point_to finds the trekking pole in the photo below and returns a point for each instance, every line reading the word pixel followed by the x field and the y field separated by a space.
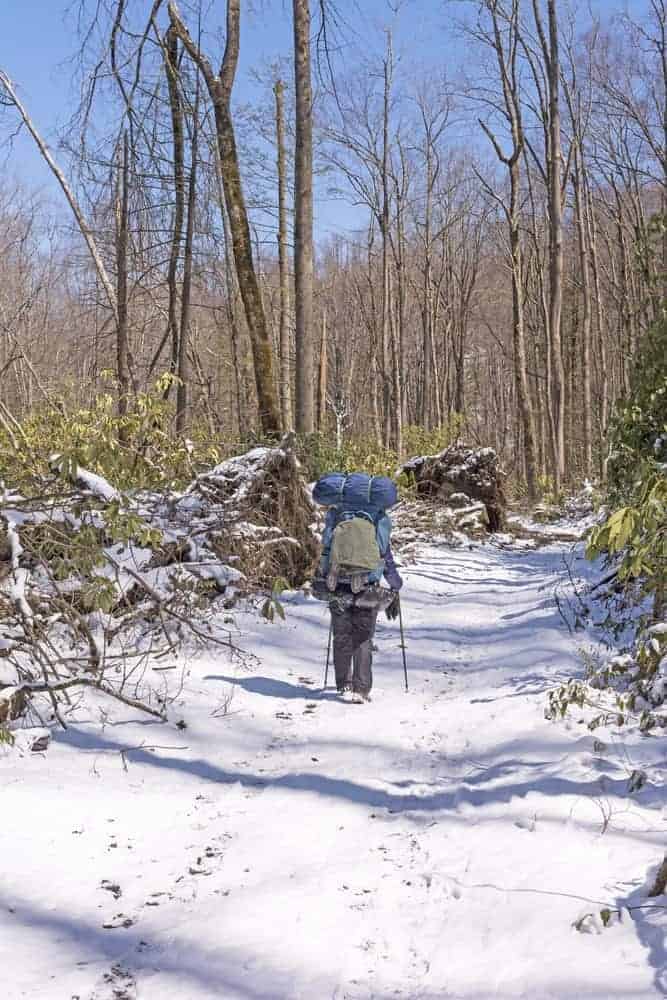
pixel 326 669
pixel 400 622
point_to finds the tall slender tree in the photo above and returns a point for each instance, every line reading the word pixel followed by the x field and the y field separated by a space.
pixel 283 260
pixel 503 39
pixel 303 220
pixel 549 43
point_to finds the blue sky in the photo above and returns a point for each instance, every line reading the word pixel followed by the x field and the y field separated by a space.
pixel 37 39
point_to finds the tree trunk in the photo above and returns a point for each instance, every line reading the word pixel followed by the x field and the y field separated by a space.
pixel 386 277
pixel 85 230
pixel 176 108
pixel 427 308
pixel 220 91
pixel 504 44
pixel 554 183
pixel 586 292
pixel 283 263
pixel 303 219
pixel 186 295
pixel 322 380
pixel 519 336
pixel 122 233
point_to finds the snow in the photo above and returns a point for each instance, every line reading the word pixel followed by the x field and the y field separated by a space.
pixel 439 843
pixel 240 470
pixel 15 547
pixel 564 529
pixel 17 583
pixel 221 574
pixel 97 485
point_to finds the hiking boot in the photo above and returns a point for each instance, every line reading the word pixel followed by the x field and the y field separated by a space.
pixel 345 693
pixel 360 697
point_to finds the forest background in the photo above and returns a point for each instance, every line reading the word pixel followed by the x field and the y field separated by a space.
pixel 489 241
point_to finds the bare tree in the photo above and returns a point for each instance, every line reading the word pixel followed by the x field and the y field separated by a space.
pixel 504 40
pixel 220 91
pixel 549 44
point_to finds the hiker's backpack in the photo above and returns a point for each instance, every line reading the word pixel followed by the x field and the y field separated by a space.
pixel 355 554
pixel 355 492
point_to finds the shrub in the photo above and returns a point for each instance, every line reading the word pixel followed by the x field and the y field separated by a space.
pixel 637 531
pixel 136 450
pixel 318 452
pixel 637 534
pixel 638 432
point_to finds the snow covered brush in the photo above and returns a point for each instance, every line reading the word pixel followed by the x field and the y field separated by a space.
pixel 623 689
pixel 94 582
pixel 91 587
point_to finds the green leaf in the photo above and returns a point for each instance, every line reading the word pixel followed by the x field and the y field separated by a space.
pixel 6 736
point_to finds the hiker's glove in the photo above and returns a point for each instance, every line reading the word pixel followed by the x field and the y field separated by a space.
pixel 393 578
pixel 393 606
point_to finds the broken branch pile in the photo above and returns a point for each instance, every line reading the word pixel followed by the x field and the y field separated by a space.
pixel 93 583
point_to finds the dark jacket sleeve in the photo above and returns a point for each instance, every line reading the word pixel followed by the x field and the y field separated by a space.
pixel 391 574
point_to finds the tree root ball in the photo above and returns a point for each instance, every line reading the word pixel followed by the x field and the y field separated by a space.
pixel 267 515
pixel 457 470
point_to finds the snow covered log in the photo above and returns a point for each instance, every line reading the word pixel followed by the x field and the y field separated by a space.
pixel 459 475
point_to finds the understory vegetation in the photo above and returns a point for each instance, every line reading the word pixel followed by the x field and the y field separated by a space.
pixel 138 449
pixel 632 542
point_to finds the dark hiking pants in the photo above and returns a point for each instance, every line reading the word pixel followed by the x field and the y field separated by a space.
pixel 353 630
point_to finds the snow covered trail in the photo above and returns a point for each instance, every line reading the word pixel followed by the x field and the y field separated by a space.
pixel 434 844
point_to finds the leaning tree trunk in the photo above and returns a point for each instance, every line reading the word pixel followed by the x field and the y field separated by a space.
pixel 220 87
pixel 171 334
pixel 505 46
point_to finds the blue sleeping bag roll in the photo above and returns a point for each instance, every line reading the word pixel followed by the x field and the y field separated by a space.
pixel 355 491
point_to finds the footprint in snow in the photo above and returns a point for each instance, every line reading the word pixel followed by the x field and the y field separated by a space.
pixel 451 888
pixel 111 887
pixel 117 984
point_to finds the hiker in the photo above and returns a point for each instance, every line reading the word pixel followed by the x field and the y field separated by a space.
pixel 356 554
